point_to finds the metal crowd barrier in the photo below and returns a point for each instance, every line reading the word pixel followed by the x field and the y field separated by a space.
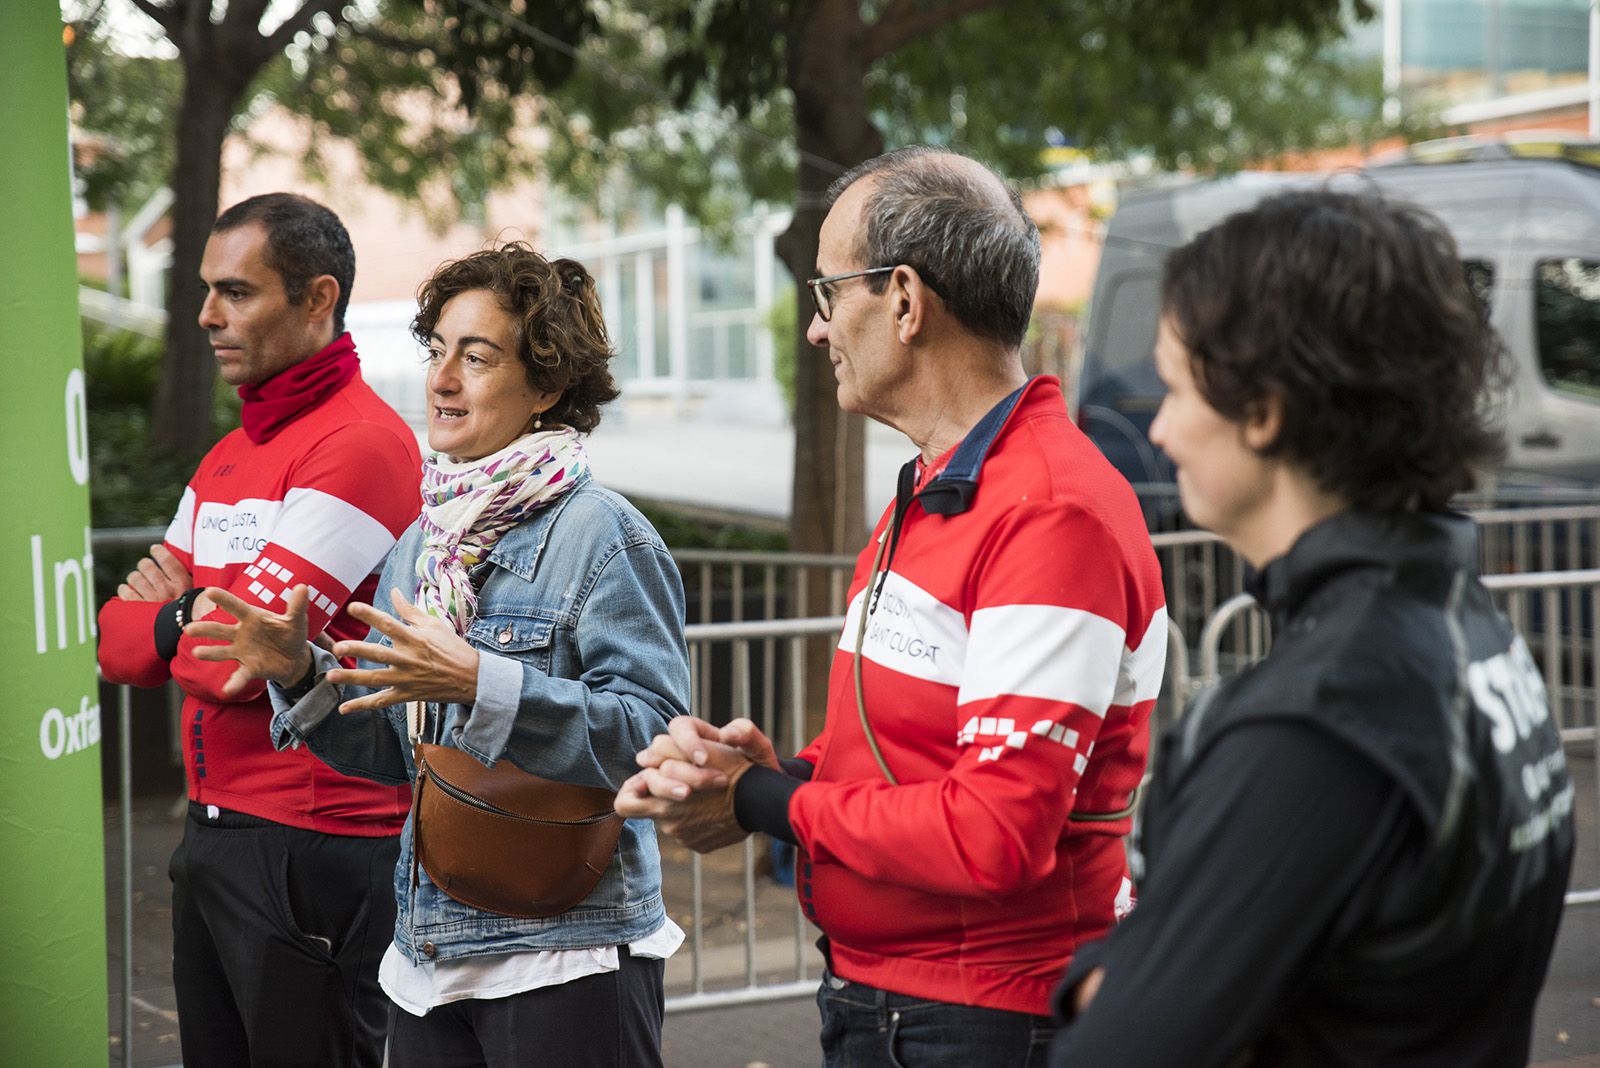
pixel 731 585
pixel 742 668
pixel 753 676
pixel 1201 571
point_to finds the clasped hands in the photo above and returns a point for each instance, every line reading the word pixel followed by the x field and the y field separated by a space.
pixel 689 777
pixel 426 659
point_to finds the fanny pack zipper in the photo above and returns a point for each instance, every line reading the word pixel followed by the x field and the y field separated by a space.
pixel 477 802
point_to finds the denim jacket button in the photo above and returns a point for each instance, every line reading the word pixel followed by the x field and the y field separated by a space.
pixel 428 950
pixel 504 636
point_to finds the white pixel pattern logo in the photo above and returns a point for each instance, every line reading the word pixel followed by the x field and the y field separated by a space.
pixel 1012 738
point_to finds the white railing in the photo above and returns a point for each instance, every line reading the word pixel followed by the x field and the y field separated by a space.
pixel 1201 572
pixel 113 312
pixel 757 668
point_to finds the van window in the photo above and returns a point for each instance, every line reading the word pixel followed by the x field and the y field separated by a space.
pixel 1567 310
pixel 1128 335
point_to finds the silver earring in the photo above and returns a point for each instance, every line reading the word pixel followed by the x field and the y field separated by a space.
pixel 538 420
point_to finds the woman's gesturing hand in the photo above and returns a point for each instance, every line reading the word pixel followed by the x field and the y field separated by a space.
pixel 267 645
pixel 426 659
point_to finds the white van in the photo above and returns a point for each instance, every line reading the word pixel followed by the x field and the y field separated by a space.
pixel 1526 214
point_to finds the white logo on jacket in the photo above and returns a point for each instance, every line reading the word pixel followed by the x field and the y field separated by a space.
pixel 234 533
pixel 911 632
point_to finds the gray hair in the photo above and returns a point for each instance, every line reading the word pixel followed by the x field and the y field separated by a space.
pixel 976 249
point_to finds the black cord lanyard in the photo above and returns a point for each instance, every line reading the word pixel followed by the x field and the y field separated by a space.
pixel 903 496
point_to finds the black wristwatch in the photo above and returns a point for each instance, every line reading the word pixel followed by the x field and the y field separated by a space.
pixel 172 618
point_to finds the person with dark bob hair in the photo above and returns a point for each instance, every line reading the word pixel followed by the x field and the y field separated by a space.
pixel 1355 851
pixel 1312 299
pixel 531 642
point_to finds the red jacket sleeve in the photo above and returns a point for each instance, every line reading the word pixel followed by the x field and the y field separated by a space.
pixel 1066 643
pixel 350 499
pixel 127 644
pixel 127 648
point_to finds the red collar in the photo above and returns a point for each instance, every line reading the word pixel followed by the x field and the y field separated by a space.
pixel 1037 391
pixel 283 398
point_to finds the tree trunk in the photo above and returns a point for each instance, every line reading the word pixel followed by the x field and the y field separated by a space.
pixel 827 71
pixel 182 418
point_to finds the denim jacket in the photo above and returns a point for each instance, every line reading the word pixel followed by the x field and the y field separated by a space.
pixel 582 661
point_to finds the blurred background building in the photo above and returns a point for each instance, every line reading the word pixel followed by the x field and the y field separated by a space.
pixel 701 321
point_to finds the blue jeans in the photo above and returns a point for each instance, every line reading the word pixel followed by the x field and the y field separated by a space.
pixel 864 1027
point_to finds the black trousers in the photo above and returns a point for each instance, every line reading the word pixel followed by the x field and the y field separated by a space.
pixel 610 1020
pixel 276 938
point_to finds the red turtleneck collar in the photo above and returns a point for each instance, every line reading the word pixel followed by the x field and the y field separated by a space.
pixel 281 399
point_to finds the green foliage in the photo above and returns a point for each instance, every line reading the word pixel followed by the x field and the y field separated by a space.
pixel 781 325
pixel 736 47
pixel 131 483
pixel 442 116
pixel 1199 86
pixel 434 94
pixel 687 99
pixel 633 118
pixel 522 47
pixel 120 369
pixel 128 104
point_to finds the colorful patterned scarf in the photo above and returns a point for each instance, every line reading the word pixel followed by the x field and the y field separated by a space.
pixel 467 506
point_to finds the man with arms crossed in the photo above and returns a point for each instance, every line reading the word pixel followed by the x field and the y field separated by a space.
pixel 282 899
pixel 1011 628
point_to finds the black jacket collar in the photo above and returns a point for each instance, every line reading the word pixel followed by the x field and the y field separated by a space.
pixel 1437 542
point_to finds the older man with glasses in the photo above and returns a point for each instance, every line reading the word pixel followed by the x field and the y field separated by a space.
pixel 960 818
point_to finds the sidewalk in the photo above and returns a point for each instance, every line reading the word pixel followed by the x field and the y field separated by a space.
pixel 779 1034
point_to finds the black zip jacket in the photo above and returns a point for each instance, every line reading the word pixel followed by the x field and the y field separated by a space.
pixel 1356 850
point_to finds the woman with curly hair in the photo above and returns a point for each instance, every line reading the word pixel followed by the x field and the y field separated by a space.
pixel 1356 850
pixel 527 641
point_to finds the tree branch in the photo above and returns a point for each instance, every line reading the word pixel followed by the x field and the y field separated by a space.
pixel 162 16
pixel 245 14
pixel 904 21
pixel 300 20
pixel 238 38
pixel 383 39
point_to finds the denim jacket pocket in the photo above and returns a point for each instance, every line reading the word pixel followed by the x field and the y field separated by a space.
pixel 524 638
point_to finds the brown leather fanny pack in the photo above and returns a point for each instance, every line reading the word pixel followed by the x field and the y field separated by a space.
pixel 506 841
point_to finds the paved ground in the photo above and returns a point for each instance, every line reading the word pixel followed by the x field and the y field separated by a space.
pixel 779 1034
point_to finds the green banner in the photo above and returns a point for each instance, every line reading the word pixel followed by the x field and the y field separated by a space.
pixel 53 1006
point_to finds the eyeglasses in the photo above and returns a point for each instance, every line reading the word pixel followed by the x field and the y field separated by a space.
pixel 822 294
